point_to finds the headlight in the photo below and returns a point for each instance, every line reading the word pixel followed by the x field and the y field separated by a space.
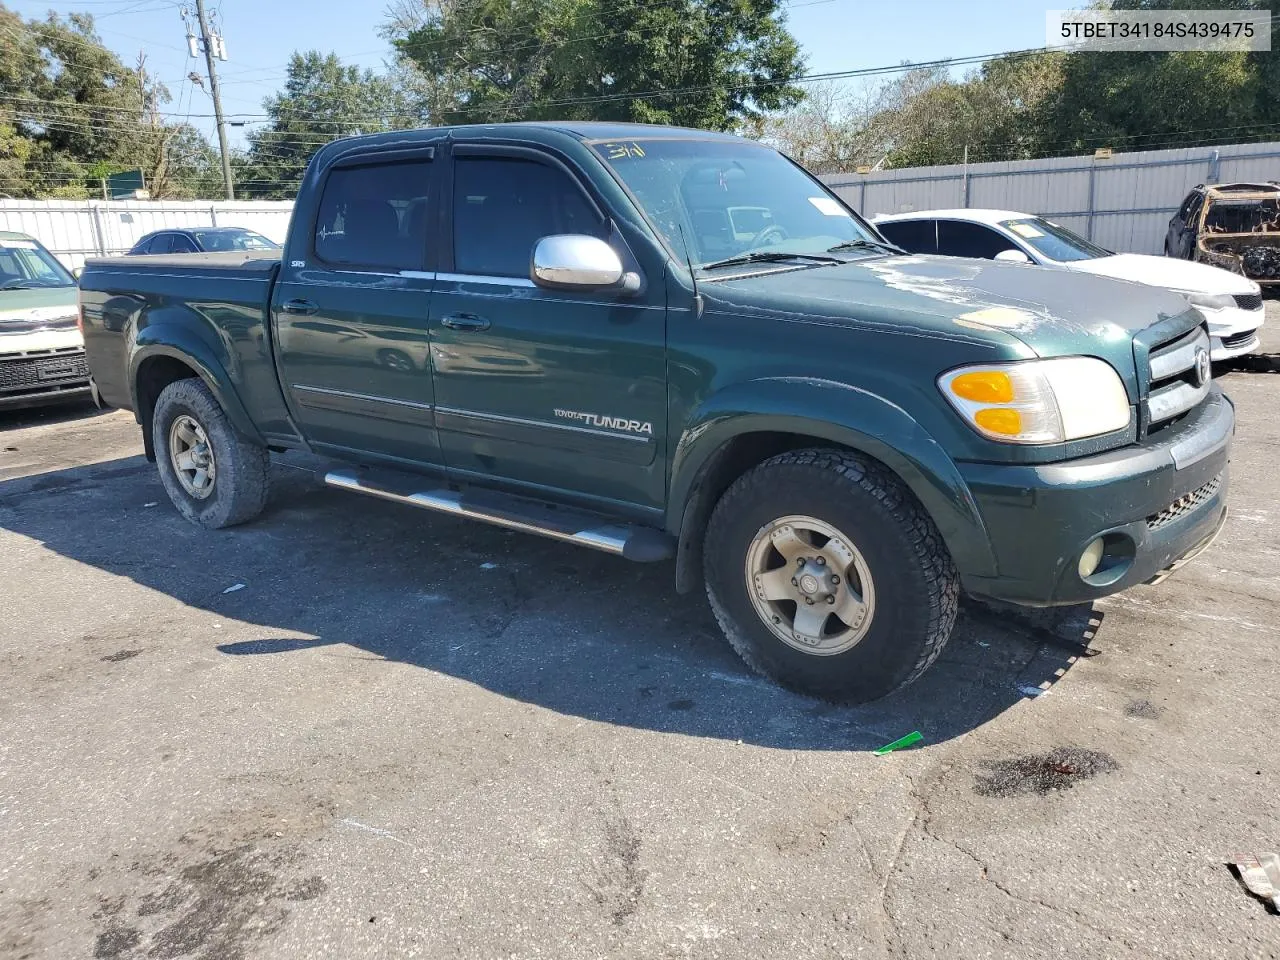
pixel 1211 301
pixel 1039 401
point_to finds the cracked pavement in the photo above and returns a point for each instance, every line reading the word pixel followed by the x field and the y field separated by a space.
pixel 409 735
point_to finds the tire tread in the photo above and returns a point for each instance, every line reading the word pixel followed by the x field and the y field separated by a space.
pixel 942 581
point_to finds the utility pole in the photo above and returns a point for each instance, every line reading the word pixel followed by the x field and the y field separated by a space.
pixel 214 49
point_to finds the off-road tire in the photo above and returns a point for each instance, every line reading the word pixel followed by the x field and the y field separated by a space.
pixel 917 589
pixel 241 482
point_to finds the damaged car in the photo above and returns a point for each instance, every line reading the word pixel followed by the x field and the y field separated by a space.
pixel 1235 226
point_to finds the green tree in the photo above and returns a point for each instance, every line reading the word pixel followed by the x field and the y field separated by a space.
pixel 716 64
pixel 322 100
pixel 71 111
pixel 1149 101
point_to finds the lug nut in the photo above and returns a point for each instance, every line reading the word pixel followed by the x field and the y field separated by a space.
pixel 822 561
pixel 795 582
pixel 809 601
pixel 800 561
pixel 834 578
pixel 831 599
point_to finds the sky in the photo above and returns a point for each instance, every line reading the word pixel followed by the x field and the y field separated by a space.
pixel 261 34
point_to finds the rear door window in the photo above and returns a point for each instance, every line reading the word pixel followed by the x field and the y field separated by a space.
pixel 374 216
pixel 914 236
pixel 183 244
pixel 959 238
pixel 161 243
pixel 502 206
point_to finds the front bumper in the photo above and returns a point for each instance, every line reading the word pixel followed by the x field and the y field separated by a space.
pixel 1233 332
pixel 1153 505
pixel 33 377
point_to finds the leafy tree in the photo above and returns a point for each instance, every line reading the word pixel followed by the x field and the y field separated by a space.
pixel 322 100
pixel 72 112
pixel 714 64
pixel 1148 101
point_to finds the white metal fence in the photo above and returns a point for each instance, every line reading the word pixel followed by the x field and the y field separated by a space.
pixel 74 230
pixel 1123 203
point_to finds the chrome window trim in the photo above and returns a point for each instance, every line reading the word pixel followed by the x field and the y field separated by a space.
pixel 485 279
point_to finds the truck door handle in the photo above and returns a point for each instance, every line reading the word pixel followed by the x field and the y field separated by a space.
pixel 303 308
pixel 464 321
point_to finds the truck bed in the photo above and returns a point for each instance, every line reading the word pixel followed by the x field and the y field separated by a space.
pixel 216 301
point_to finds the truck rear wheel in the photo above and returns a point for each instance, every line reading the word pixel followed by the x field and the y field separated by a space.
pixel 213 476
pixel 827 576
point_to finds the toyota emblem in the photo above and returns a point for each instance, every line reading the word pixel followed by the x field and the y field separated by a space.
pixel 1204 371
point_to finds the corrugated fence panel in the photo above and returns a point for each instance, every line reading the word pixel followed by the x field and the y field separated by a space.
pixel 1123 203
pixel 76 230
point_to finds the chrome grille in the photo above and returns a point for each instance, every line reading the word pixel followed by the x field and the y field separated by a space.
pixel 1249 301
pixel 1178 378
pixel 1185 504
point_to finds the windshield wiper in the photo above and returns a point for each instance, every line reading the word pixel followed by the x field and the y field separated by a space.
pixel 865 244
pixel 769 256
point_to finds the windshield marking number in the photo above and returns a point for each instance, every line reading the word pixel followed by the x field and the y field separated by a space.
pixel 622 151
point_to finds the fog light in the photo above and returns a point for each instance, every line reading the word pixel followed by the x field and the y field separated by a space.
pixel 1090 559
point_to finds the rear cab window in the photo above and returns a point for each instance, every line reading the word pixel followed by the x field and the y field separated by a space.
pixel 374 216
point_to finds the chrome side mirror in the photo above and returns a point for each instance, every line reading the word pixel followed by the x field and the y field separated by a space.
pixel 575 261
pixel 77 272
pixel 1013 256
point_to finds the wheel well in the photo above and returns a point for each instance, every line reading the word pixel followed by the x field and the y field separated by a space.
pixel 726 465
pixel 154 375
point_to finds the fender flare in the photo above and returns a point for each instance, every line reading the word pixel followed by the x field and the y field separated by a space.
pixel 840 414
pixel 178 341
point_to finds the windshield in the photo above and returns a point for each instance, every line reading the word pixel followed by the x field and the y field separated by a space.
pixel 1242 216
pixel 730 198
pixel 215 240
pixel 25 265
pixel 1055 242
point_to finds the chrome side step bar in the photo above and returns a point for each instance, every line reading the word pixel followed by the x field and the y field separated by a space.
pixel 643 544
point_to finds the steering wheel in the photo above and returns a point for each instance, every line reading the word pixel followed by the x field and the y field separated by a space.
pixel 770 234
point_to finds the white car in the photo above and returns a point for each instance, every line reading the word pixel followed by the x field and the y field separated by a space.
pixel 1232 304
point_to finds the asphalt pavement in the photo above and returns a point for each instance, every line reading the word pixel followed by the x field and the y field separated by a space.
pixel 351 729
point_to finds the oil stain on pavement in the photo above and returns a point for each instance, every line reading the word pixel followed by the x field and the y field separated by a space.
pixel 1059 769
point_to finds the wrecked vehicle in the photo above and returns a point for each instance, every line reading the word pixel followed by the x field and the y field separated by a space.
pixel 1235 226
pixel 674 344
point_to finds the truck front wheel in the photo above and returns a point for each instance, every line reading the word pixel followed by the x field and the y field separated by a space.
pixel 827 576
pixel 213 476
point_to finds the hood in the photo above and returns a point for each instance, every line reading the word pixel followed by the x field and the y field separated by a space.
pixel 1051 312
pixel 1166 272
pixel 32 309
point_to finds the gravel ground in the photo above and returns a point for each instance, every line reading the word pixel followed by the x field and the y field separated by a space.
pixel 355 730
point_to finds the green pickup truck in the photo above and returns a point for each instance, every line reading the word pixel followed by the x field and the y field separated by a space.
pixel 666 343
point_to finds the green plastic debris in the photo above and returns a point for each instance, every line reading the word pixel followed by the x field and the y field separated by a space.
pixel 911 739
